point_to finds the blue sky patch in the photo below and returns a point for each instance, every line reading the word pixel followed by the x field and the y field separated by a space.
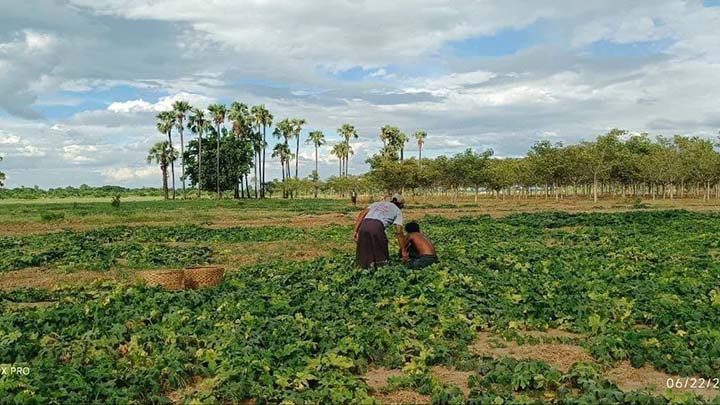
pixel 504 42
pixel 605 48
pixel 711 3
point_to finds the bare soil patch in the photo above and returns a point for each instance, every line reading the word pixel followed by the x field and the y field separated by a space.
pixel 402 397
pixel 37 277
pixel 452 376
pixel 629 378
pixel 560 356
pixel 377 378
pixel 551 334
pixel 198 384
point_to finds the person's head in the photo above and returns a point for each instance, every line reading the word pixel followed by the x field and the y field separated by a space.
pixel 412 227
pixel 398 200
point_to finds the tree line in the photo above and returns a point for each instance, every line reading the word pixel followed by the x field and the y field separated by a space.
pixel 617 163
pixel 614 164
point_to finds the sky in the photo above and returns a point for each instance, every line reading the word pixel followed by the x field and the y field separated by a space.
pixel 82 80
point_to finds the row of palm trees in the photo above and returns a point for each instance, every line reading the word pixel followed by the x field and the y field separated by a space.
pixel 251 125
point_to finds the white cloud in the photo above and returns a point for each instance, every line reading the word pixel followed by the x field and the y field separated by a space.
pixel 79 153
pixel 129 174
pixel 163 104
pixel 30 151
pixel 9 139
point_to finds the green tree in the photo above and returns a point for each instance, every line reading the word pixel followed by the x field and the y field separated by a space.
pixel 236 159
pixel 420 137
pixel 296 125
pixel 472 168
pixel 339 150
pixel 198 124
pixel 402 139
pixel 282 151
pixel 347 132
pixel 242 127
pixel 317 139
pixel 390 137
pixel 164 154
pixel 180 109
pixel 165 124
pixel 217 113
pixel 263 119
pixel 2 176
pixel 600 157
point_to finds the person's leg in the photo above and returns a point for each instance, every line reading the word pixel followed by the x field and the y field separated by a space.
pixel 422 262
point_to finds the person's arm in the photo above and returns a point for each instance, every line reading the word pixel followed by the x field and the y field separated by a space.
pixel 358 221
pixel 401 242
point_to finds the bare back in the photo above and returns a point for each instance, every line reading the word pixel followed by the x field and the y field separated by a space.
pixel 421 243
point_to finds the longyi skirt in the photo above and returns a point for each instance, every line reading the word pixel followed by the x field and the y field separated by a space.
pixel 372 244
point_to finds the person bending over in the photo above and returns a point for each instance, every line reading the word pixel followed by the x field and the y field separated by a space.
pixel 372 243
pixel 420 250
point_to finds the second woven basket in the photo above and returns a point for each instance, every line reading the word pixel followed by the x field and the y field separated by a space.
pixel 203 276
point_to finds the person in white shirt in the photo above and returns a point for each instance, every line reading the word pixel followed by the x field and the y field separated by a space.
pixel 372 243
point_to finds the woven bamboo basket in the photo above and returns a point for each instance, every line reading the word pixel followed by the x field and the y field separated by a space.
pixel 203 276
pixel 169 279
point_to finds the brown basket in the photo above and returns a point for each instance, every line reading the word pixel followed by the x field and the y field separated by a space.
pixel 203 276
pixel 168 279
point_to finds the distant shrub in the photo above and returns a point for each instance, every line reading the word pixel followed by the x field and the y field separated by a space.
pixel 638 204
pixel 116 201
pixel 48 216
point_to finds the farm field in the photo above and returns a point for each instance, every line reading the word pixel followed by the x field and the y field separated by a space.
pixel 533 301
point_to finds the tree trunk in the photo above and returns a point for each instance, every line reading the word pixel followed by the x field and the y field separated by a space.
pixel 262 171
pixel 165 181
pixel 172 164
pixel 217 161
pixel 257 162
pixel 595 185
pixel 317 173
pixel 182 159
pixel 297 156
pixel 199 185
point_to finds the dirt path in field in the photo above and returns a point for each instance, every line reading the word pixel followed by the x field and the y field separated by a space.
pixel 227 218
pixel 563 355
pixel 36 277
pixel 559 349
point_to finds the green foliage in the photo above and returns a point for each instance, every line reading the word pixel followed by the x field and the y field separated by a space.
pixel 50 216
pixel 115 203
pixel 236 158
pixel 634 283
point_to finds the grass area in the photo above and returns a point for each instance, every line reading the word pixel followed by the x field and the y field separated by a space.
pixel 637 288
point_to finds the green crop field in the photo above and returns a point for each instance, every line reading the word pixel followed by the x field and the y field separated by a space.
pixel 530 307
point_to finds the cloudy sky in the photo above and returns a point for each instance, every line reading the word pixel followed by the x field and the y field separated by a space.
pixel 81 80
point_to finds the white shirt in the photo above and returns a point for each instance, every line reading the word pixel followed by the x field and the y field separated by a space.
pixel 385 212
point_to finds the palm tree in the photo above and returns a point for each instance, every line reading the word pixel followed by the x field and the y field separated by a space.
pixel 282 152
pixel 197 124
pixel 163 154
pixel 262 118
pixel 217 112
pixel 297 124
pixel 347 132
pixel 339 151
pixel 402 140
pixel 420 137
pixel 180 108
pixel 242 123
pixel 2 175
pixel 166 121
pixel 317 138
